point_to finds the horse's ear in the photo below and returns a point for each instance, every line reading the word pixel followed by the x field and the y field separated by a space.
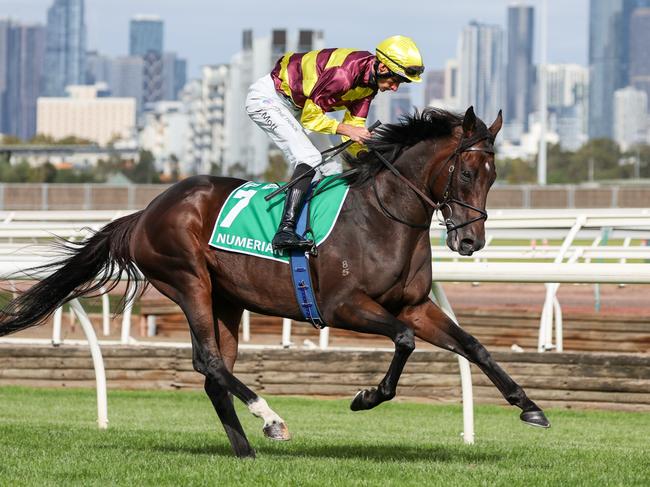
pixel 469 120
pixel 496 125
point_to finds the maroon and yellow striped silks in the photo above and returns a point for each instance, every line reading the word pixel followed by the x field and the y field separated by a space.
pixel 326 80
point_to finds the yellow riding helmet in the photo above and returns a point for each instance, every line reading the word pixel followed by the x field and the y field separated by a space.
pixel 401 56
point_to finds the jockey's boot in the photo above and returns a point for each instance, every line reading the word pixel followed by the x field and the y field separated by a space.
pixel 286 236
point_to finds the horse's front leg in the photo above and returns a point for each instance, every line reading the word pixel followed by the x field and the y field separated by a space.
pixel 363 314
pixel 431 324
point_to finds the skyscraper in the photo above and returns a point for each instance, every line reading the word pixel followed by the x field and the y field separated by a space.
pixel 146 41
pixel 434 85
pixel 639 43
pixel 25 49
pixel 630 117
pixel 520 70
pixel 125 78
pixel 65 47
pixel 4 40
pixel 567 86
pixel 145 34
pixel 606 60
pixel 174 75
pixel 481 73
pixel 180 75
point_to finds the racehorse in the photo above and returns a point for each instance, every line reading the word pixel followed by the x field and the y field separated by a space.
pixel 372 275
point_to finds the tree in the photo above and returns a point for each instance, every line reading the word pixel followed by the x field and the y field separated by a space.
pixel 175 168
pixel 276 170
pixel 516 171
pixel 11 140
pixel 238 170
pixel 604 155
pixel 144 171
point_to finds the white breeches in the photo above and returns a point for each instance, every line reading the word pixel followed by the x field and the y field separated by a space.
pixel 279 118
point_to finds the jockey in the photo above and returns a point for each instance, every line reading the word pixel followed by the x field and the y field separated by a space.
pixel 291 103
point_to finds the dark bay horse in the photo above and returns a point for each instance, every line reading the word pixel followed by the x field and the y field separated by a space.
pixel 372 275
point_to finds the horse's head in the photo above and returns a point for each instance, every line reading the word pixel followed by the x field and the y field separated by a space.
pixel 463 182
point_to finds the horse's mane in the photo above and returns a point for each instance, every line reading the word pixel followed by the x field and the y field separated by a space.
pixel 391 140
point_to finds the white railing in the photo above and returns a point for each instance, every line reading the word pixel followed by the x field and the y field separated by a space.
pixel 14 269
pixel 571 262
pixel 567 225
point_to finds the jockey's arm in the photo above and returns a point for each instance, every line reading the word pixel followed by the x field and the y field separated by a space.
pixel 354 128
pixel 314 118
pixel 323 97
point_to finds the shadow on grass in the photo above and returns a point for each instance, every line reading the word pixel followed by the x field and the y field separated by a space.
pixel 387 452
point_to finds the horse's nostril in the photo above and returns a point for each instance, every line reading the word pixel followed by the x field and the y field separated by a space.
pixel 467 244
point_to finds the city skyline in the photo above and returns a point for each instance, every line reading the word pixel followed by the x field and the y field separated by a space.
pixel 186 27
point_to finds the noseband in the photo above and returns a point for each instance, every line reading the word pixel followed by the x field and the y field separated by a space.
pixel 464 145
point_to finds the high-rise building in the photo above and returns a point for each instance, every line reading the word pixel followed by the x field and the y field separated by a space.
pixel 4 45
pixel 25 51
pixel 639 52
pixel 98 68
pixel 247 145
pixel 66 46
pixel 567 84
pixel 520 70
pixel 630 117
pixel 606 63
pixel 125 78
pixel 174 75
pixel 481 73
pixel 567 88
pixel 434 86
pixel 205 104
pixel 450 95
pixel 180 76
pixel 612 46
pixel 165 133
pixel 146 42
pixel 400 103
pixel 146 33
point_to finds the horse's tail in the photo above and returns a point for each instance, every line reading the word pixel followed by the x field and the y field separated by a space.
pixel 97 262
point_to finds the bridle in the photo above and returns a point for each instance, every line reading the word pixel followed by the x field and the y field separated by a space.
pixel 465 144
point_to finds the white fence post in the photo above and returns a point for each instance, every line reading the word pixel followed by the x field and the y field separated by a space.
pixel 126 316
pixel 56 327
pixel 106 313
pixel 286 332
pixel 98 363
pixel 324 338
pixel 246 326
pixel 465 372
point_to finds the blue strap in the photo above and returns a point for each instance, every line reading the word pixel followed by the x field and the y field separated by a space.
pixel 300 273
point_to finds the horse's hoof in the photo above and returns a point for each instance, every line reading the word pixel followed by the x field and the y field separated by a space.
pixel 277 431
pixel 359 402
pixel 535 418
pixel 247 454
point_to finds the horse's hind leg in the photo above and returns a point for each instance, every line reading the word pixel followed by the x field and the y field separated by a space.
pixel 227 319
pixel 192 292
pixel 224 408
pixel 431 324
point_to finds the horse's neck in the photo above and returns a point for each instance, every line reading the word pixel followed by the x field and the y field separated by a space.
pixel 396 197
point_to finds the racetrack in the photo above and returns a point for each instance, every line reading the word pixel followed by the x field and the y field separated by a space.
pixel 48 437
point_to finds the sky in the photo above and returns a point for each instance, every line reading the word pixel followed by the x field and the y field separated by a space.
pixel 209 31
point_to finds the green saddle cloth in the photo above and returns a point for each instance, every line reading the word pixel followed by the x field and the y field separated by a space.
pixel 247 222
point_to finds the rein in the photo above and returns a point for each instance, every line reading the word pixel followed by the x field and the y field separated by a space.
pixel 464 145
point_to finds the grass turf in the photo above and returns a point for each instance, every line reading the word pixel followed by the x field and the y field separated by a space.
pixel 48 437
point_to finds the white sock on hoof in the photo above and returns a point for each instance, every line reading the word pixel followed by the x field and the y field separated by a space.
pixel 260 409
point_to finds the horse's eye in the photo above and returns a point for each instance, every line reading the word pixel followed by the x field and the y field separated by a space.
pixel 466 176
